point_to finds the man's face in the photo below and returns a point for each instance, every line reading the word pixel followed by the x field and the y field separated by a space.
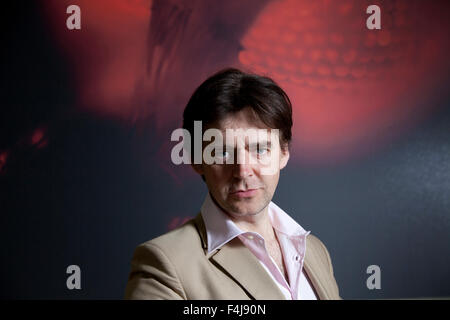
pixel 225 180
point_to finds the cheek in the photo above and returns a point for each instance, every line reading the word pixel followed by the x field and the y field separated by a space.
pixel 217 176
pixel 271 181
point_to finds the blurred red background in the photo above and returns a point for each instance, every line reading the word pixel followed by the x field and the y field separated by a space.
pixel 352 88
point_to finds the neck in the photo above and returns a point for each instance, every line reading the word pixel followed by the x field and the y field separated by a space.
pixel 259 223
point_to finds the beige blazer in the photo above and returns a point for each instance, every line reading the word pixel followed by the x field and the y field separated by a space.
pixel 176 266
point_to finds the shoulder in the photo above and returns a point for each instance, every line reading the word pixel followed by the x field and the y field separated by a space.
pixel 319 259
pixel 317 251
pixel 314 242
pixel 157 266
pixel 176 244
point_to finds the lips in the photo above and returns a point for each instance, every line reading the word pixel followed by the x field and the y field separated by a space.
pixel 244 193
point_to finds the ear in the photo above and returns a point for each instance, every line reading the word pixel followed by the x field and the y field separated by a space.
pixel 284 156
pixel 197 168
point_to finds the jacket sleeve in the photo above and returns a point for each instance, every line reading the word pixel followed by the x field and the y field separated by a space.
pixel 153 276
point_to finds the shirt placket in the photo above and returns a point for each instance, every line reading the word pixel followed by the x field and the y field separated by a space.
pixel 294 256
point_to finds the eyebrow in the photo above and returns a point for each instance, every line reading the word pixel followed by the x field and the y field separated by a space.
pixel 259 143
pixel 268 144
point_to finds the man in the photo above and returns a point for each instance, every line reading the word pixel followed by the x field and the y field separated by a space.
pixel 240 245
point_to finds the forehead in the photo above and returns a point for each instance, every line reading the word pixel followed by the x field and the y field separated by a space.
pixel 247 127
pixel 243 119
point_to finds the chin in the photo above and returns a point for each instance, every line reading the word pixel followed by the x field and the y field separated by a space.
pixel 246 209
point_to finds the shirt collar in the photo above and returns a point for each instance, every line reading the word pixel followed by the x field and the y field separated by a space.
pixel 220 229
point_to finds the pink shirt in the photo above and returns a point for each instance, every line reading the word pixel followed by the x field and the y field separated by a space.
pixel 292 238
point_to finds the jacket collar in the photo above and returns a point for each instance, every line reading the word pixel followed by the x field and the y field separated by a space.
pixel 241 265
pixel 246 270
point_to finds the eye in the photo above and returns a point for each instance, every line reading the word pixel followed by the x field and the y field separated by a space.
pixel 261 150
pixel 223 154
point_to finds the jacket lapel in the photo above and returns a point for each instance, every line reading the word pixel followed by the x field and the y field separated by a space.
pixel 246 270
pixel 242 265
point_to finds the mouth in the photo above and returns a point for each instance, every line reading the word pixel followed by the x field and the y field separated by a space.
pixel 244 193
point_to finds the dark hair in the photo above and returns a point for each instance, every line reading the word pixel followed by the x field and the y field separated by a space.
pixel 231 90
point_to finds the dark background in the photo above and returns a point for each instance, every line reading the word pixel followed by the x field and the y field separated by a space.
pixel 79 188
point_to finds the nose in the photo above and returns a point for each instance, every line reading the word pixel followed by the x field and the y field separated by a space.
pixel 242 170
pixel 241 167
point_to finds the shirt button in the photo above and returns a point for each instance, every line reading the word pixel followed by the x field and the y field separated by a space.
pixel 250 237
pixel 297 258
